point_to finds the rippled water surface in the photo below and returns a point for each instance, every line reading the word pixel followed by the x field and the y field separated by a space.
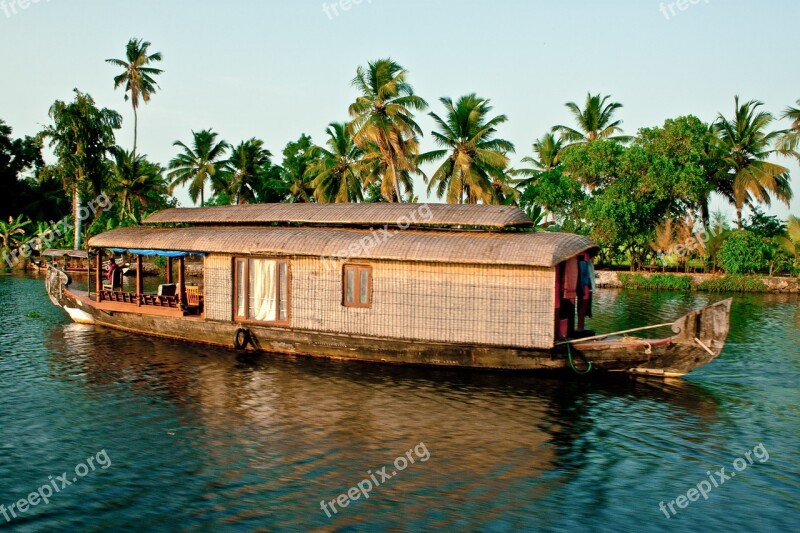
pixel 200 438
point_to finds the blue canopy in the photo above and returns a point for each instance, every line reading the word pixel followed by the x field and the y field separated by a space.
pixel 149 253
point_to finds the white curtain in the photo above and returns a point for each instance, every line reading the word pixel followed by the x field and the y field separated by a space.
pixel 263 290
pixel 241 289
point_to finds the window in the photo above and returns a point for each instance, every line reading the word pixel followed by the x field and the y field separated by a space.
pixel 261 290
pixel 357 285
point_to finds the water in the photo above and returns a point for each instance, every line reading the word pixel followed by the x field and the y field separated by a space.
pixel 202 439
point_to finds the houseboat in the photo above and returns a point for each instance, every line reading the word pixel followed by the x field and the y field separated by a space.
pixel 427 284
pixel 76 261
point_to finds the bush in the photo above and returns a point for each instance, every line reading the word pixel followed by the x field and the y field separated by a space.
pixel 733 283
pixel 667 282
pixel 160 261
pixel 742 253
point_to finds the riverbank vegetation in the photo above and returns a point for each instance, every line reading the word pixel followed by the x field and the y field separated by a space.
pixel 679 282
pixel 643 197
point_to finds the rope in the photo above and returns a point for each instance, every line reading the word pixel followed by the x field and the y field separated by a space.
pixel 604 335
pixel 572 365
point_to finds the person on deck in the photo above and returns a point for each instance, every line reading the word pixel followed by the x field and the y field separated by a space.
pixel 112 266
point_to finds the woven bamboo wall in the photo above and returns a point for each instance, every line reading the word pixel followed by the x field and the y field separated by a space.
pixel 496 305
pixel 218 287
pixel 480 304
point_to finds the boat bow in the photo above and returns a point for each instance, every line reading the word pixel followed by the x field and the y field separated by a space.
pixel 698 338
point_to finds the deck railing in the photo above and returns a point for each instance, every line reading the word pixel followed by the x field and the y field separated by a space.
pixel 194 299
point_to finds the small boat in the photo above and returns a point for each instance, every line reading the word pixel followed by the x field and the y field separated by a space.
pixel 76 261
pixel 421 284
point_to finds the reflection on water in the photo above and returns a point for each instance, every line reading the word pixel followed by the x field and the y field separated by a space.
pixel 205 438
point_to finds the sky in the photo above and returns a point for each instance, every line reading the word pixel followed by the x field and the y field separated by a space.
pixel 275 69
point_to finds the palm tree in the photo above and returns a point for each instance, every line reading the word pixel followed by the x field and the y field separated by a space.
pixel 791 242
pixel 338 175
pixel 243 172
pixel 664 242
pixel 137 184
pixel 81 136
pixel 548 150
pixel 793 114
pixel 137 76
pixel 594 121
pixel 11 237
pixel 790 140
pixel 383 125
pixel 198 164
pixel 747 145
pixel 476 163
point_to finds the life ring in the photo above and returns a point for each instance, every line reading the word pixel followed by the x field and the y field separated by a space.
pixel 241 339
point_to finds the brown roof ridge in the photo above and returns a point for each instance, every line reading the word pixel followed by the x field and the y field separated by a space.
pixel 424 215
pixel 541 249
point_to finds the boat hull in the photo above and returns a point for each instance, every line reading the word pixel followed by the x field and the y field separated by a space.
pixel 668 357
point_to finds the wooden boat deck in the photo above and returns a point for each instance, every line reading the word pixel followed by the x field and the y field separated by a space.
pixel 146 304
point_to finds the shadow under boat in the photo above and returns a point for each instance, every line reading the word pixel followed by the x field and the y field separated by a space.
pixel 111 355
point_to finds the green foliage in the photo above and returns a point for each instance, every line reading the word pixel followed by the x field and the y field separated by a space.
pixel 12 235
pixel 559 194
pixel 656 282
pixel 747 145
pixel 537 215
pixel 764 225
pixel 242 176
pixel 81 136
pixel 338 176
pixel 674 282
pixel 160 261
pixel 475 161
pixel 684 164
pixel 742 253
pixel 137 76
pixel 718 231
pixel 594 121
pixel 198 164
pixel 790 244
pixel 383 126
pixel 137 186
pixel 17 157
pixel 298 157
pixel 594 164
pixel 733 283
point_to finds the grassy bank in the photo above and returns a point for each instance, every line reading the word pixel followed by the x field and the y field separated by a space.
pixel 706 283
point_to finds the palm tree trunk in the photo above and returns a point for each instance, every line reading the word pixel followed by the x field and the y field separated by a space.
pixel 395 183
pixel 738 218
pixel 76 212
pixel 135 130
pixel 704 211
pixel 202 196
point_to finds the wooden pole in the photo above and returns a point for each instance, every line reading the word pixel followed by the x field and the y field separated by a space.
pixel 139 280
pixel 181 281
pixel 169 270
pixel 574 341
pixel 98 283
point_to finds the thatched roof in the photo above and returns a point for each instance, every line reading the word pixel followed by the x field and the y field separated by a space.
pixel 364 215
pixel 508 248
pixel 78 254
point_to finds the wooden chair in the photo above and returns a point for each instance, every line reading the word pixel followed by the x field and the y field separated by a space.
pixel 192 295
pixel 116 280
pixel 194 300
